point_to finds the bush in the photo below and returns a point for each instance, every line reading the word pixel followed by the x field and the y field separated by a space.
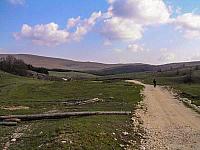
pixel 12 65
pixel 38 69
pixel 188 77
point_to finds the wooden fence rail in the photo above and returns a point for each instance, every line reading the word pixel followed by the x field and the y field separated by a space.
pixel 63 115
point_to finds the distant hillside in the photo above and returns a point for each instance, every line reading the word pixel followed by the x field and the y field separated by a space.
pixel 129 68
pixel 52 63
pixel 97 68
pixel 132 68
pixel 178 65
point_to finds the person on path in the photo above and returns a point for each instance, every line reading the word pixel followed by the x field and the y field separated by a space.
pixel 154 82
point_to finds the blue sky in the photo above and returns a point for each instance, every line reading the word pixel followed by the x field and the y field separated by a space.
pixel 109 31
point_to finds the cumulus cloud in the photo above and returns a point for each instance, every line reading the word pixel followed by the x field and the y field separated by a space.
pixel 195 57
pixel 118 50
pixel 178 10
pixel 189 24
pixel 135 48
pixel 167 57
pixel 44 34
pixel 122 29
pixel 84 26
pixel 142 11
pixel 50 34
pixel 17 2
pixel 126 19
pixel 72 22
pixel 163 50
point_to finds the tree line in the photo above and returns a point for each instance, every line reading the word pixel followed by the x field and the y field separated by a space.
pixel 16 66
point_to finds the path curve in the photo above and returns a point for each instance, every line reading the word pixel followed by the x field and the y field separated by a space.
pixel 168 123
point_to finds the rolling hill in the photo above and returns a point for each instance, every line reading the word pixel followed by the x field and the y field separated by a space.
pixel 58 63
pixel 94 67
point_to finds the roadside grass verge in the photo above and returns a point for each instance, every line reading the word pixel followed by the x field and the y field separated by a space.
pixel 191 92
pixel 96 132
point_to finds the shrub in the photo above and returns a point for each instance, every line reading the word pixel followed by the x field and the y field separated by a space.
pixel 12 65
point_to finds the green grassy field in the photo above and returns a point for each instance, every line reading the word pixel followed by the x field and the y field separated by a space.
pixel 73 75
pixel 92 132
pixel 178 80
pixel 96 132
pixel 174 78
pixel 39 96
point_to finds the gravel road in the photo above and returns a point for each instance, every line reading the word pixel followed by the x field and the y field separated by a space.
pixel 168 123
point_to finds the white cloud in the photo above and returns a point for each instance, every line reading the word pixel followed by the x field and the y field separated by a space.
pixel 135 48
pixel 107 43
pixel 126 19
pixel 72 22
pixel 195 57
pixel 189 21
pixel 118 50
pixel 167 57
pixel 50 34
pixel 85 25
pixel 163 50
pixel 142 11
pixel 44 34
pixel 17 2
pixel 192 34
pixel 189 24
pixel 121 29
pixel 178 10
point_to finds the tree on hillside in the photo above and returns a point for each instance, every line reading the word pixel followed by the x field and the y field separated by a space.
pixel 159 70
pixel 38 69
pixel 188 77
pixel 197 67
pixel 12 65
pixel 177 72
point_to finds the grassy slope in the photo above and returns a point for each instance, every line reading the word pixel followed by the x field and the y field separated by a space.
pixel 79 133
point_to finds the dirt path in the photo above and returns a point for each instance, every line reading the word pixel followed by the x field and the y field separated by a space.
pixel 168 123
